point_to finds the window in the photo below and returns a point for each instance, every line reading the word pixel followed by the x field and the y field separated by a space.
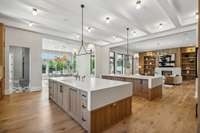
pixel 128 64
pixel 119 64
pixel 112 63
pixel 92 64
pixel 58 63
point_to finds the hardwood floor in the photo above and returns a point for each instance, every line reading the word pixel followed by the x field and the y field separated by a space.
pixel 34 113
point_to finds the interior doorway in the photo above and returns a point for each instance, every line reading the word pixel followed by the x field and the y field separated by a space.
pixel 19 69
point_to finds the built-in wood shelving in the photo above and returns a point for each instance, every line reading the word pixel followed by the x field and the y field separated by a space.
pixel 149 65
pixel 189 63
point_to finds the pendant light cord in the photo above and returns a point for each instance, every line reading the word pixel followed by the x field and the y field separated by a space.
pixel 82 6
pixel 127 40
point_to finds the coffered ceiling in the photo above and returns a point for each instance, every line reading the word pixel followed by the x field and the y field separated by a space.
pixel 63 18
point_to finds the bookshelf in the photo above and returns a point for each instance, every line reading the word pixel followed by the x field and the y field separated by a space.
pixel 189 63
pixel 149 65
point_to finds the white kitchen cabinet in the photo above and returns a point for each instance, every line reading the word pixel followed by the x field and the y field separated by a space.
pixel 85 114
pixel 66 98
pixel 51 89
pixel 75 104
pixel 60 95
pixel 55 92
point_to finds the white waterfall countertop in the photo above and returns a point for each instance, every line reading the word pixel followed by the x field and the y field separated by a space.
pixel 153 81
pixel 89 84
pixel 100 92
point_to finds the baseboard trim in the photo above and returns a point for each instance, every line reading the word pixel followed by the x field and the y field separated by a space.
pixel 38 88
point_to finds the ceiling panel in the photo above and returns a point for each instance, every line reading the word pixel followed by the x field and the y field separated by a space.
pixel 186 10
pixel 64 17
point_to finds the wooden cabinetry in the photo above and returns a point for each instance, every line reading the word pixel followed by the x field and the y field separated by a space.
pixel 149 65
pixel 2 60
pixel 189 63
pixel 140 87
pixel 104 117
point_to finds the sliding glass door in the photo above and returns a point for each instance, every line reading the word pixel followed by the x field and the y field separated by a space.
pixel 112 63
pixel 119 64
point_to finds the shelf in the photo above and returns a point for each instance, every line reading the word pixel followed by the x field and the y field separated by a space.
pixel 189 58
pixel 149 65
pixel 184 58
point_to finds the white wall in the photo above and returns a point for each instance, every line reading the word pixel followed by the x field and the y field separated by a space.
pixel 33 41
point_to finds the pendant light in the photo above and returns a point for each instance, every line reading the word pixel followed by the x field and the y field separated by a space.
pixel 127 65
pixel 85 52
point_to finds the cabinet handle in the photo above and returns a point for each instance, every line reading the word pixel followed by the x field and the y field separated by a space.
pixel 83 119
pixel 84 96
pixel 114 104
pixel 83 106
pixel 61 89
pixel 73 89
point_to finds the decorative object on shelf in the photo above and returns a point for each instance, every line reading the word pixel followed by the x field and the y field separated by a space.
pixel 85 51
pixel 168 60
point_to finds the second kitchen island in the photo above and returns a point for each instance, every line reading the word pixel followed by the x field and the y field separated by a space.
pixel 149 87
pixel 96 104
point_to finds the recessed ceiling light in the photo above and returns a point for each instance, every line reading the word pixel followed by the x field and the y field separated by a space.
pixel 138 4
pixel 34 12
pixel 30 24
pixel 107 20
pixel 89 29
pixel 160 26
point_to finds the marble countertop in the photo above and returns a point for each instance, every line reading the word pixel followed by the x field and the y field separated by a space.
pixel 89 84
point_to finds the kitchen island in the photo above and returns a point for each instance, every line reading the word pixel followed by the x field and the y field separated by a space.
pixel 149 87
pixel 96 104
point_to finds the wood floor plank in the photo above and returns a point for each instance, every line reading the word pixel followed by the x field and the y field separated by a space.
pixel 34 113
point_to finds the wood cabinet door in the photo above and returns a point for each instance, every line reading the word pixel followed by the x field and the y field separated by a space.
pixel 137 87
pixel 145 90
pixel 66 98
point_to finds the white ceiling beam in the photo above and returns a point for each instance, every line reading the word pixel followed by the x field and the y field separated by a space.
pixel 168 7
pixel 157 35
